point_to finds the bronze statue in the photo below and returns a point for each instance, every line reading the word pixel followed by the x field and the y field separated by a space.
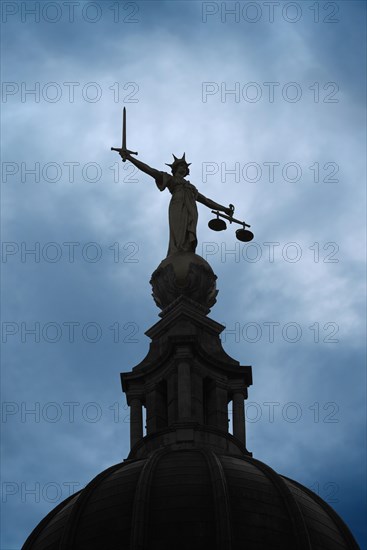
pixel 183 214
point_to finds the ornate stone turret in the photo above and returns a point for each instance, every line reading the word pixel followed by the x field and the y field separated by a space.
pixel 188 483
pixel 186 383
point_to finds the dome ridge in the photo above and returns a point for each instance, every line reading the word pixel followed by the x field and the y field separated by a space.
pixel 294 512
pixel 68 536
pixel 140 516
pixel 44 523
pixel 221 499
pixel 335 518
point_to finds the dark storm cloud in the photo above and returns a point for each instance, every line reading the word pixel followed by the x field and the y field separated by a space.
pixel 169 53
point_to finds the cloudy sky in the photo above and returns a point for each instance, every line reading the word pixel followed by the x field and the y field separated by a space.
pixel 267 101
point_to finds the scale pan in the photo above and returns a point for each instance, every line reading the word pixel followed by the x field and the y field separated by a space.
pixel 217 225
pixel 244 235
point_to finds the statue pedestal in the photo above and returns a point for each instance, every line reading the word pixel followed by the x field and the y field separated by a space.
pixel 184 274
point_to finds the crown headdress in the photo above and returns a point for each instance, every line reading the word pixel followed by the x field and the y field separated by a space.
pixel 178 161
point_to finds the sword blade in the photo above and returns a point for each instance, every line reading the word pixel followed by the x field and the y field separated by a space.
pixel 124 128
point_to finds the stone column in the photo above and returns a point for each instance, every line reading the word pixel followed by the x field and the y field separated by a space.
pixel 197 396
pixel 150 400
pixel 222 408
pixel 136 421
pixel 172 397
pixel 239 417
pixel 184 391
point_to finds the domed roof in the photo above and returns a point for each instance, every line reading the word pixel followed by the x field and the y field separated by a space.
pixel 192 498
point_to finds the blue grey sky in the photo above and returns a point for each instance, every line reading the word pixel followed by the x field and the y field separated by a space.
pixel 268 102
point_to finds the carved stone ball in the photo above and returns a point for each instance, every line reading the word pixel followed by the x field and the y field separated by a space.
pixel 184 274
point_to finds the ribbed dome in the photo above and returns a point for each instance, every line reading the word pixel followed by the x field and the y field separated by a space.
pixel 192 499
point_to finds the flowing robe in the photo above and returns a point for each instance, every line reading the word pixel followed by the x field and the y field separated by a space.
pixel 182 213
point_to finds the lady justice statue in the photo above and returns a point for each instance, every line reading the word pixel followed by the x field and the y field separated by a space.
pixel 182 272
pixel 182 213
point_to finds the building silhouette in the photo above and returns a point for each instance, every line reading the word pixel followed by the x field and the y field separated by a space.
pixel 187 483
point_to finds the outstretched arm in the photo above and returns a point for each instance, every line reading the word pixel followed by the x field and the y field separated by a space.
pixel 213 205
pixel 156 174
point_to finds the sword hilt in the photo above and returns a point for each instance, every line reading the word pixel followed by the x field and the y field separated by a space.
pixel 122 152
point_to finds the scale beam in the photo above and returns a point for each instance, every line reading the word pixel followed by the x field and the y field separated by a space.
pixel 230 218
